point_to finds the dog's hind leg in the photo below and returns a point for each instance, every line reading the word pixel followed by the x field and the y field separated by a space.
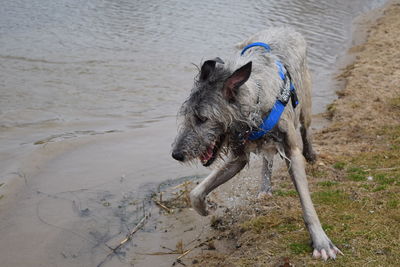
pixel 305 121
pixel 305 117
pixel 229 169
pixel 266 173
pixel 323 246
pixel 308 151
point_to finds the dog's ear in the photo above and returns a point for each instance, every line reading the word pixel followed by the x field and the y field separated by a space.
pixel 209 67
pixel 237 79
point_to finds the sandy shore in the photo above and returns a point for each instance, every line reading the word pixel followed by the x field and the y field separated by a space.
pixel 355 184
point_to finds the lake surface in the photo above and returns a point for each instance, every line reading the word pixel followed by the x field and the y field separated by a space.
pixel 89 91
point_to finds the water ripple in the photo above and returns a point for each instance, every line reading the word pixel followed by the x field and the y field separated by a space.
pixel 85 59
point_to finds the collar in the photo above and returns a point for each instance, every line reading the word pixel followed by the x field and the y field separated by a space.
pixel 288 91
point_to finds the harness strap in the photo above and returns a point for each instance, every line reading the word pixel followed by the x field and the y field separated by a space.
pixel 266 46
pixel 269 122
pixel 288 91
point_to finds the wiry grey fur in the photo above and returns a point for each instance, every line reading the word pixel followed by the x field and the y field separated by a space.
pixel 229 99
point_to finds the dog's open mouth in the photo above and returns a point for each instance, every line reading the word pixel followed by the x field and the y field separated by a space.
pixel 212 151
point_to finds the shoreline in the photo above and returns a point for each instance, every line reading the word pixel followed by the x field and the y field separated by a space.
pixel 354 186
pixel 360 30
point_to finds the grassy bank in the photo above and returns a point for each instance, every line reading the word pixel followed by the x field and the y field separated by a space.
pixel 355 183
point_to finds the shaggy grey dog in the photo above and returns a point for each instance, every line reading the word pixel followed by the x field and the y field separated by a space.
pixel 230 100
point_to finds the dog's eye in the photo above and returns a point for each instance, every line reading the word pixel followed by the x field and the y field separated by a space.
pixel 200 119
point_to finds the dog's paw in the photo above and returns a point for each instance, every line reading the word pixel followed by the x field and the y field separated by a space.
pixel 198 203
pixel 325 249
pixel 310 156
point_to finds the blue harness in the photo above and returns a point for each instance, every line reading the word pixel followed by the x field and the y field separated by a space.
pixel 287 91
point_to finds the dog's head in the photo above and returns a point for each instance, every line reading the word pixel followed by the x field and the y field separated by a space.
pixel 209 112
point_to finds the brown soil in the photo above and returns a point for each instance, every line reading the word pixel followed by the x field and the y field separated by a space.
pixel 355 183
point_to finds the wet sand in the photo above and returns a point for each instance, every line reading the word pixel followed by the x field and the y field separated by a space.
pixel 67 201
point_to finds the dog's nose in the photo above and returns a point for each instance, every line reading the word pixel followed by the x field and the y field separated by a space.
pixel 178 155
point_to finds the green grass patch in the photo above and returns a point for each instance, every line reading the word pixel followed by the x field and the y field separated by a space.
pixel 393 203
pixel 339 165
pixel 357 170
pixel 356 177
pixel 383 179
pixel 395 103
pixel 329 197
pixel 328 183
pixel 300 248
pixel 286 193
pixel 379 188
pixel 356 174
pixel 327 227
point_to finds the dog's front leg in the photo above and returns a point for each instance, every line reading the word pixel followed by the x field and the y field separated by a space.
pixel 215 179
pixel 323 246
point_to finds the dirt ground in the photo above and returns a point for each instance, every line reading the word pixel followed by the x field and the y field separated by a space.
pixel 355 183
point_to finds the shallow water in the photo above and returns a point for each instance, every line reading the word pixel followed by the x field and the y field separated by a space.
pixel 88 95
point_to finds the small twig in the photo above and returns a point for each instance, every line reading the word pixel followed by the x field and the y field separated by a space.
pixel 171 250
pixel 126 239
pixel 197 237
pixel 131 233
pixel 163 206
pixel 177 197
pixel 185 253
pixel 160 253
pixel 180 262
pixel 196 246
pixel 184 184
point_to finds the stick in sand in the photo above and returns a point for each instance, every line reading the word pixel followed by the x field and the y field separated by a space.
pixel 131 233
pixel 163 206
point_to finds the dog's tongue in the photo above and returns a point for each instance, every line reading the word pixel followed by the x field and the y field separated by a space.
pixel 206 157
